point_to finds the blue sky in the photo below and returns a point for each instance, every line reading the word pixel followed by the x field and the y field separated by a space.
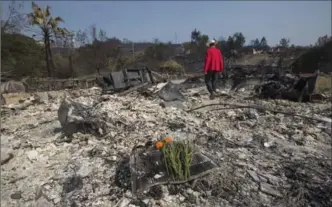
pixel 300 21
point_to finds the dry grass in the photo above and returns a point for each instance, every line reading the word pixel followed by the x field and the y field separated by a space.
pixel 324 84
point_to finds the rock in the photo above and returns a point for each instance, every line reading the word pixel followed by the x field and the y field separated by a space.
pixel 252 114
pixel 84 170
pixel 181 198
pixel 269 189
pixel 32 155
pixel 231 114
pixel 128 194
pixel 269 144
pixel 190 191
pixel 124 202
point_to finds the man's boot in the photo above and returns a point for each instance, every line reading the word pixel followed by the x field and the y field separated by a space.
pixel 212 96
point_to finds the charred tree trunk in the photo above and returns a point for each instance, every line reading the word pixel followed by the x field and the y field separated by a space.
pixel 71 65
pixel 46 45
pixel 51 58
pixel 48 53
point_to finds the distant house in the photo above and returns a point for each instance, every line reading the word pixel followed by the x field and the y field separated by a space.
pixel 256 51
pixel 40 42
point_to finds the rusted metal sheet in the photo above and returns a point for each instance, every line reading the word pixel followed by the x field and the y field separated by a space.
pixel 126 78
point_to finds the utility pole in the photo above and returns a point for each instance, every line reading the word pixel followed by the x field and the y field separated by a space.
pixel 133 49
pixel 176 38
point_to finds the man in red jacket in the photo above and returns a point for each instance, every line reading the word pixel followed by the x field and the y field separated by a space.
pixel 214 64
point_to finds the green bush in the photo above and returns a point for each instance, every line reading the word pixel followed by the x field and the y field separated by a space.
pixel 324 84
pixel 22 56
pixel 172 66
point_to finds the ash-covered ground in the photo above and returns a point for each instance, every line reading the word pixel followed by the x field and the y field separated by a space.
pixel 265 158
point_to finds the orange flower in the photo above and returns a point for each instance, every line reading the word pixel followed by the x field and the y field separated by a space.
pixel 168 139
pixel 159 145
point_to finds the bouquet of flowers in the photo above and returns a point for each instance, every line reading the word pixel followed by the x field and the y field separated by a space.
pixel 177 157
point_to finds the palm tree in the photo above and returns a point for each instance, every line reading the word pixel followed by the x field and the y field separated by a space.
pixel 48 29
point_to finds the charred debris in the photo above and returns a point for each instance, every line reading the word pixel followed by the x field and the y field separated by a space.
pixel 267 82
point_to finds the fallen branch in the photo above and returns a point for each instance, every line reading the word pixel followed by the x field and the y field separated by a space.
pixel 237 106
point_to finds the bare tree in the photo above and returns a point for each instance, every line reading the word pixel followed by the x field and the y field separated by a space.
pixel 101 54
pixel 81 38
pixel 102 36
pixel 16 20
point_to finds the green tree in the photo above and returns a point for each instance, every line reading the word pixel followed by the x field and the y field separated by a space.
pixel 284 43
pixel 21 55
pixel 195 36
pixel 49 30
pixel 263 43
pixel 197 45
pixel 322 40
pixel 256 43
pixel 239 40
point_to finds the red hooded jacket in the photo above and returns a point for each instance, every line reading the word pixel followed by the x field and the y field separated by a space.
pixel 213 60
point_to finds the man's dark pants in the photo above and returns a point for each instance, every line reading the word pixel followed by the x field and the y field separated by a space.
pixel 211 81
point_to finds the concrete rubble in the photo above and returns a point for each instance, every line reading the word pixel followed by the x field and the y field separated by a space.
pixel 265 158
